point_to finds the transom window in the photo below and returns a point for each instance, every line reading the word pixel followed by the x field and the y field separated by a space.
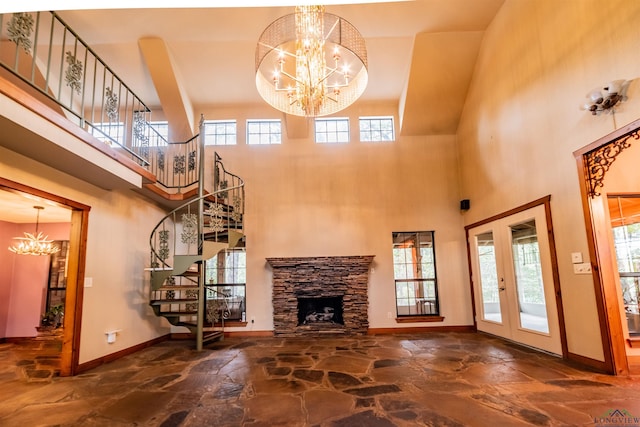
pixel 414 271
pixel 376 129
pixel 108 132
pixel 220 132
pixel 332 131
pixel 261 132
pixel 159 134
pixel 162 128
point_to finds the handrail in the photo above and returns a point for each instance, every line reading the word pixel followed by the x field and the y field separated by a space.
pixel 155 256
pixel 52 58
pixel 222 190
pixel 176 164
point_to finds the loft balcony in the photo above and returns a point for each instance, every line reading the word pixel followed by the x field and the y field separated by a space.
pixel 61 105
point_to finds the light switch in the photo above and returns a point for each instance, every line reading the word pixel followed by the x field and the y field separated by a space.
pixel 576 257
pixel 88 282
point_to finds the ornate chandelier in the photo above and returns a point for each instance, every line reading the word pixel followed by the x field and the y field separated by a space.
pixel 34 244
pixel 311 63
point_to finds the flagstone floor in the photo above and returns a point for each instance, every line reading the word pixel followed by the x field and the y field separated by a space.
pixel 453 379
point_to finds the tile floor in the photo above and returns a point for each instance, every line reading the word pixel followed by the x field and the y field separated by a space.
pixel 453 379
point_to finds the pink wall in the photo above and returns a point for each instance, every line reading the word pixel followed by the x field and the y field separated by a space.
pixel 27 281
pixel 8 230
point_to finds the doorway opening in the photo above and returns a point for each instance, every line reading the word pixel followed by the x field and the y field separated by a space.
pixel 67 290
pixel 624 211
pixel 514 278
pixel 594 162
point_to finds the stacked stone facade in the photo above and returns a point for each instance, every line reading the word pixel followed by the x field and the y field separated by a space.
pixel 339 276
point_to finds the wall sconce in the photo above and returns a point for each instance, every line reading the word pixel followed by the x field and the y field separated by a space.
pixel 606 98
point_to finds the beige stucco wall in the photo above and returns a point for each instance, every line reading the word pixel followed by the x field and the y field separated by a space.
pixel 522 122
pixel 308 199
pixel 117 252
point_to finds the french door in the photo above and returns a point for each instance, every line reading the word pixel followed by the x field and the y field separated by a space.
pixel 513 280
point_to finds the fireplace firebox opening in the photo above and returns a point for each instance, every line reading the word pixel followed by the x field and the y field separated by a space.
pixel 320 310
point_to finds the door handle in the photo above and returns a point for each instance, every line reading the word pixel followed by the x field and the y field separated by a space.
pixel 502 288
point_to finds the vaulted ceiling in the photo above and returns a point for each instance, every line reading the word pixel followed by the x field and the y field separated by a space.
pixel 421 54
pixel 421 57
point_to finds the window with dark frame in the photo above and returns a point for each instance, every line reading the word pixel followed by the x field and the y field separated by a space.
pixel 414 271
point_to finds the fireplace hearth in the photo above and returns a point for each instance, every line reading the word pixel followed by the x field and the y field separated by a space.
pixel 320 295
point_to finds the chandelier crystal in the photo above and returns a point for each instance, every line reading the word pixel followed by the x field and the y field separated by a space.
pixel 34 244
pixel 311 63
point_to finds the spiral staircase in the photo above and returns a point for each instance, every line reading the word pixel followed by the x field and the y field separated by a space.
pixel 182 243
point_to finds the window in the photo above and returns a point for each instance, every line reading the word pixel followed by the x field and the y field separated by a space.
pixel 220 132
pixel 376 129
pixel 226 277
pixel 158 133
pixel 161 128
pixel 414 271
pixel 625 224
pixel 332 131
pixel 264 132
pixel 108 132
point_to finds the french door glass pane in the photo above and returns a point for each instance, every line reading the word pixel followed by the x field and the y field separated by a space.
pixel 627 244
pixel 489 277
pixel 528 271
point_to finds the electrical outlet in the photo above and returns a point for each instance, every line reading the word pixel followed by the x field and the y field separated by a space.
pixel 389 315
pixel 582 268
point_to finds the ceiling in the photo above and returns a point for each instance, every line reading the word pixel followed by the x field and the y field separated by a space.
pixel 421 54
pixel 418 51
pixel 18 208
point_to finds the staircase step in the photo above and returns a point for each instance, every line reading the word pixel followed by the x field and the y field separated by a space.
pixel 213 336
pixel 173 301
pixel 189 273
pixel 158 277
pixel 182 263
pixel 178 313
pixel 211 249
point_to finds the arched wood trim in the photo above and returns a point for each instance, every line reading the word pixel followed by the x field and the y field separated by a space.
pixel 593 161
pixel 75 272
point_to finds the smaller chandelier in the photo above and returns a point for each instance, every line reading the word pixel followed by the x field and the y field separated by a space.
pixel 34 244
pixel 604 99
pixel 311 63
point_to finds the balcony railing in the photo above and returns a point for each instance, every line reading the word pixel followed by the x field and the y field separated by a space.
pixel 44 52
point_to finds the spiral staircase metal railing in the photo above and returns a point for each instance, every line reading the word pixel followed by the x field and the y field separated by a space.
pixel 183 241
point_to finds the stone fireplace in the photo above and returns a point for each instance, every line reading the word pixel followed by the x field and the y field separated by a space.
pixel 320 295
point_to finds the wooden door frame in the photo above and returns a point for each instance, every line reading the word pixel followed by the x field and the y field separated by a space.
pixel 546 201
pixel 75 272
pixel 593 162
